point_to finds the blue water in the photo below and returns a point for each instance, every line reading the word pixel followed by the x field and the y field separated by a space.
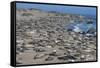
pixel 83 26
pixel 60 8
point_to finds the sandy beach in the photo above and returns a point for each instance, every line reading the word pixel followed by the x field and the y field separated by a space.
pixel 42 37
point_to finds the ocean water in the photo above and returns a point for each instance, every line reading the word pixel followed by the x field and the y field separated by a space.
pixel 82 26
pixel 59 8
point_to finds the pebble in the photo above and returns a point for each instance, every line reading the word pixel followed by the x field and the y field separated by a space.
pixel 49 59
pixel 39 56
pixel 66 57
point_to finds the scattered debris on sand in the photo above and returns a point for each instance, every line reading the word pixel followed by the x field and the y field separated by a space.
pixel 43 37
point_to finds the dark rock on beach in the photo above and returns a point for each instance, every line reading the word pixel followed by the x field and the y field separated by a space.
pixel 66 57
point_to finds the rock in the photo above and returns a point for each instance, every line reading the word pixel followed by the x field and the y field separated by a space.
pixel 67 47
pixel 53 54
pixel 89 21
pixel 89 35
pixel 49 46
pixel 29 46
pixel 23 48
pixel 88 50
pixel 56 41
pixel 49 59
pixel 39 56
pixel 66 57
pixel 61 48
pixel 39 50
pixel 82 56
pixel 54 50
pixel 20 49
